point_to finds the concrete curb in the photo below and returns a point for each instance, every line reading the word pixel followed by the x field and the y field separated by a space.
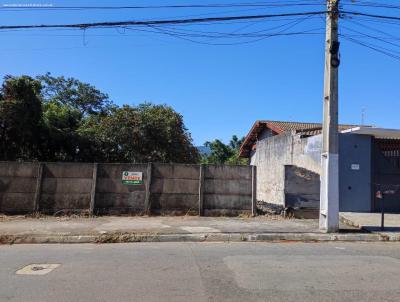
pixel 200 237
pixel 386 236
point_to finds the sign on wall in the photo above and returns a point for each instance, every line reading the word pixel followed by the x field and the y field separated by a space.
pixel 132 178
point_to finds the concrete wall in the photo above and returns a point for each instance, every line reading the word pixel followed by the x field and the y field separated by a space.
pixel 175 187
pixel 113 196
pixel 302 188
pixel 17 186
pixel 227 189
pixel 65 186
pixel 167 188
pixel 266 133
pixel 274 153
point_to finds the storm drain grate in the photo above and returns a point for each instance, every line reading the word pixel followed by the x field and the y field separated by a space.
pixel 37 269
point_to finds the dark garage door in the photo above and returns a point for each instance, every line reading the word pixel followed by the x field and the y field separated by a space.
pixel 386 174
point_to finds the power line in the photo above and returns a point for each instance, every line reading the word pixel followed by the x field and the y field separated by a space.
pixel 163 26
pixel 188 21
pixel 370 15
pixel 369 4
pixel 215 5
pixel 373 37
pixel 371 46
pixel 255 35
pixel 214 34
pixel 159 22
pixel 364 26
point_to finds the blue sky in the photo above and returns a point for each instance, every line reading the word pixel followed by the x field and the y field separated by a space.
pixel 219 89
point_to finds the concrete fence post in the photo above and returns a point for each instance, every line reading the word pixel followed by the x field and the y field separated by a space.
pixel 201 190
pixel 147 202
pixel 93 190
pixel 38 189
pixel 253 190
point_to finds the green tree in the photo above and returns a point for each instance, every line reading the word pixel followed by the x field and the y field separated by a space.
pixel 58 119
pixel 62 140
pixel 68 104
pixel 144 133
pixel 224 153
pixel 219 154
pixel 20 118
pixel 74 93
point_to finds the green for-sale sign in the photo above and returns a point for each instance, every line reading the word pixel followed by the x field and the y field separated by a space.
pixel 132 178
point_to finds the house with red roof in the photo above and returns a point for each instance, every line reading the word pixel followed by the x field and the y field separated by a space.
pixel 288 160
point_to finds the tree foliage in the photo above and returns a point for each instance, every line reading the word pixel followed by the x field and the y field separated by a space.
pixel 58 119
pixel 20 118
pixel 74 93
pixel 142 134
pixel 221 153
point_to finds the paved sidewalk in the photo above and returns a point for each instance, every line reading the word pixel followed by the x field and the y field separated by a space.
pixel 371 222
pixel 111 229
pixel 154 225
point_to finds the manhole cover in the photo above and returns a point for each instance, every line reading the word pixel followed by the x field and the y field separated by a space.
pixel 37 269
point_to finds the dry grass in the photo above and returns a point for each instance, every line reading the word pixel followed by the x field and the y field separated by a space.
pixel 60 215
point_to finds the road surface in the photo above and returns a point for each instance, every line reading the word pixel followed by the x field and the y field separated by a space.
pixel 202 272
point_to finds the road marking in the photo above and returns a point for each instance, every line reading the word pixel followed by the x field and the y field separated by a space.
pixel 37 269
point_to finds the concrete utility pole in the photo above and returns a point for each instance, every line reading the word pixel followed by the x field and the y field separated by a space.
pixel 329 199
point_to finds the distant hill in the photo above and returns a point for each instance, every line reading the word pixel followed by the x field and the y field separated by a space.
pixel 203 150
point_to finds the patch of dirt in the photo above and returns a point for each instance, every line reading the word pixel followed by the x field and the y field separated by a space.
pixel 62 216
pixel 271 217
pixel 7 239
pixel 125 237
pixel 4 217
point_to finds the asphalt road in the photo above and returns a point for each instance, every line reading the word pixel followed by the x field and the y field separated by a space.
pixel 203 272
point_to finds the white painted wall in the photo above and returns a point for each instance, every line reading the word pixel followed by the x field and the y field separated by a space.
pixel 273 153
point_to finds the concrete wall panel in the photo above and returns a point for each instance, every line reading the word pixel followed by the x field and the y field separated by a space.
pixel 17 185
pixel 64 170
pixel 227 172
pixel 115 170
pixel 134 200
pixel 167 185
pixel 66 185
pixel 16 202
pixel 176 171
pixel 175 202
pixel 230 202
pixel 230 186
pixel 15 169
pixel 55 202
pixel 112 185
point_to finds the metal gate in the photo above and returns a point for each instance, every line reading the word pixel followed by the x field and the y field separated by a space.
pixel 386 174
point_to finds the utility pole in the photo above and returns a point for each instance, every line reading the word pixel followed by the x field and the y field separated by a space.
pixel 329 198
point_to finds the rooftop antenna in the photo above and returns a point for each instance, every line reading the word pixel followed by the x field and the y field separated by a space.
pixel 363 114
